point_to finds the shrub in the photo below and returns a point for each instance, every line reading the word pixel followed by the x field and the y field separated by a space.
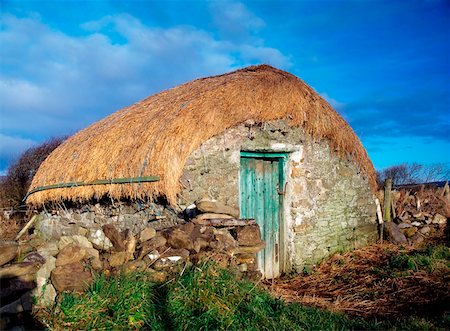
pixel 19 176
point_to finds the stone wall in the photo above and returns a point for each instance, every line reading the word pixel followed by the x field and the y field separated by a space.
pixel 134 216
pixel 328 204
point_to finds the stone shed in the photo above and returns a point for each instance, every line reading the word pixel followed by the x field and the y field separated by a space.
pixel 256 139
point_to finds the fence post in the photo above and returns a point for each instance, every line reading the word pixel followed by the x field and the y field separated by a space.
pixel 387 200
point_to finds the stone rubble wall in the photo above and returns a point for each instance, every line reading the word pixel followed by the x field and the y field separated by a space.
pixel 34 271
pixel 328 203
pixel 66 221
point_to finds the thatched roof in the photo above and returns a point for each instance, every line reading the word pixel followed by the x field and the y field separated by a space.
pixel 155 136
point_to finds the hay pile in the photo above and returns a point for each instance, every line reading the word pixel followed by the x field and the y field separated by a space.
pixel 155 136
pixel 376 281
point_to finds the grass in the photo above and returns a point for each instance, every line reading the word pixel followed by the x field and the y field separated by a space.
pixel 124 302
pixel 205 297
pixel 434 259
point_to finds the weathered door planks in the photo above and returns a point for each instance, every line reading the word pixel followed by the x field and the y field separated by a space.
pixel 262 176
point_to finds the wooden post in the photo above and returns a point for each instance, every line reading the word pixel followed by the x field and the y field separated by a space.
pixel 394 215
pixel 445 190
pixel 27 226
pixel 380 219
pixel 387 199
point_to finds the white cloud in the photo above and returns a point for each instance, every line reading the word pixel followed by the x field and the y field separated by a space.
pixel 333 102
pixel 234 19
pixel 52 83
pixel 12 147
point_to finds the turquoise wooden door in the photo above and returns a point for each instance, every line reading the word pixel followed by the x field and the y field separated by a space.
pixel 261 183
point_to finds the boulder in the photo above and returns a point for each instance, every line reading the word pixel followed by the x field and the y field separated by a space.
pixel 19 269
pixel 75 240
pixel 24 303
pixel 150 245
pixel 147 234
pixel 13 287
pixel 200 243
pixel 394 234
pixel 44 293
pixel 93 256
pixel 426 229
pixel 417 238
pixel 180 239
pixel 34 257
pixel 248 235
pixel 130 242
pixel 117 259
pixel 48 249
pixel 71 277
pixel 213 206
pixel 70 254
pixel 46 269
pixel 252 249
pixel 115 237
pixel 99 240
pixel 409 232
pixel 228 243
pixel 188 228
pixel 439 219
pixel 8 251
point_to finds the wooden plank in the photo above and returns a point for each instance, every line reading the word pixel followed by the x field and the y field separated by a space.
pixel 281 226
pixel 224 222
pixel 259 209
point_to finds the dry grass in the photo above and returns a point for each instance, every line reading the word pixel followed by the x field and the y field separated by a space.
pixel 10 227
pixel 155 136
pixel 377 281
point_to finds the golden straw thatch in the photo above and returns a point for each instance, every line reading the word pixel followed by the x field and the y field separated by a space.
pixel 155 136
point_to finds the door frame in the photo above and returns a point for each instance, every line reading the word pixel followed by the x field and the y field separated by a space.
pixel 282 158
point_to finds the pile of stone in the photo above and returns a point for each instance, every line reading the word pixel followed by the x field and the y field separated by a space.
pixel 414 217
pixel 42 268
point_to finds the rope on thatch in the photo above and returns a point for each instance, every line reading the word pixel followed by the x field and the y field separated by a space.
pixel 168 127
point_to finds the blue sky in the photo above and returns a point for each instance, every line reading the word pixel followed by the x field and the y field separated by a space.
pixel 383 65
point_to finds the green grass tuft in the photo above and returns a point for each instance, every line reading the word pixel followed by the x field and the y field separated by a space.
pixel 207 298
pixel 111 303
pixel 432 259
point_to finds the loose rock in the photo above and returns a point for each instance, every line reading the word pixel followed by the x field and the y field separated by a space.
pixel 248 235
pixel 439 219
pixel 115 237
pixel 394 234
pixel 75 240
pixel 8 251
pixel 100 241
pixel 212 206
pixel 180 239
pixel 70 254
pixel 147 234
pixel 118 258
pixel 71 277
pixel 151 245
